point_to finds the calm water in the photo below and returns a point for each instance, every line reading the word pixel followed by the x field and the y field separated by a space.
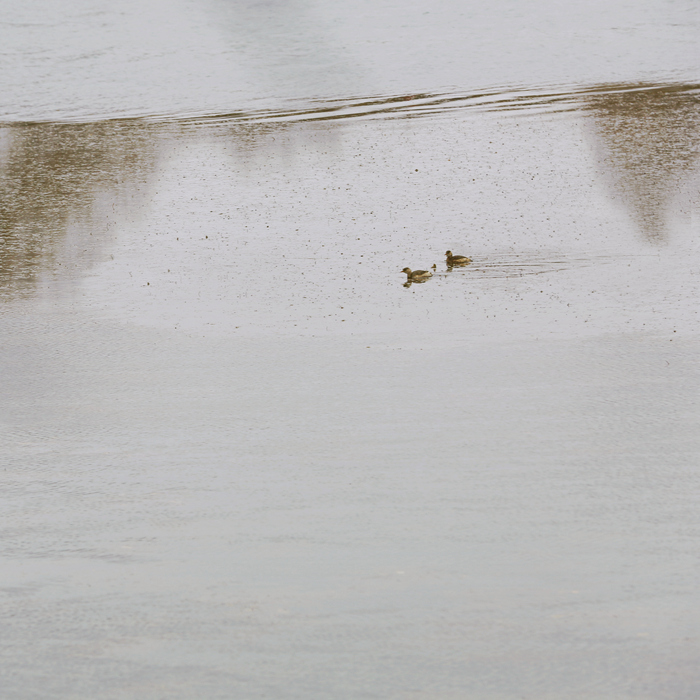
pixel 241 459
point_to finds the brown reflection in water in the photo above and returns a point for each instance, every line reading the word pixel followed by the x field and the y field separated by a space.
pixel 648 140
pixel 63 185
pixel 50 177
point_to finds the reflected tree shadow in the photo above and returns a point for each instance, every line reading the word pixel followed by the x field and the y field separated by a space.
pixel 50 177
pixel 648 142
pixel 62 186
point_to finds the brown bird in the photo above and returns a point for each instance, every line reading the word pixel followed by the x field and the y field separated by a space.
pixel 456 259
pixel 417 275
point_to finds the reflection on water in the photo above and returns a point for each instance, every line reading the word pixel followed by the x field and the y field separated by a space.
pixel 50 179
pixel 649 140
pixel 63 185
pixel 58 179
pixel 648 134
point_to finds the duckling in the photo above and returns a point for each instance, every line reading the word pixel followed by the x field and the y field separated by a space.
pixel 456 259
pixel 417 275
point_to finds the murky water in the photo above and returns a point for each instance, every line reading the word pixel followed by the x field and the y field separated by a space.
pixel 241 458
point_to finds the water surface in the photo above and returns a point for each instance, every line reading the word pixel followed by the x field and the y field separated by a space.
pixel 241 459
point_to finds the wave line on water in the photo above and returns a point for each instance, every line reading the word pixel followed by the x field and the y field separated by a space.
pixel 508 266
pixel 427 104
pixel 421 104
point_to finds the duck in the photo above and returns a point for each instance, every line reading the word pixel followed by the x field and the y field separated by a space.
pixel 456 259
pixel 417 275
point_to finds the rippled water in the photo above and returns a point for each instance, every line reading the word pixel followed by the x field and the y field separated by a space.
pixel 94 58
pixel 241 458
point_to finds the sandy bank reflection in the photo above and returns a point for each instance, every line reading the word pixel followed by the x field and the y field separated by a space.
pixel 60 185
pixel 648 141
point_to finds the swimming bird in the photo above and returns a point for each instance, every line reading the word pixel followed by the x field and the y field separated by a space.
pixel 417 275
pixel 456 259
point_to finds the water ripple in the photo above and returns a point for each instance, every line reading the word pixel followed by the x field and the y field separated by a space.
pixel 532 100
pixel 425 104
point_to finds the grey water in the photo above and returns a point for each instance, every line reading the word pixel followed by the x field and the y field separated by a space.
pixel 241 458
